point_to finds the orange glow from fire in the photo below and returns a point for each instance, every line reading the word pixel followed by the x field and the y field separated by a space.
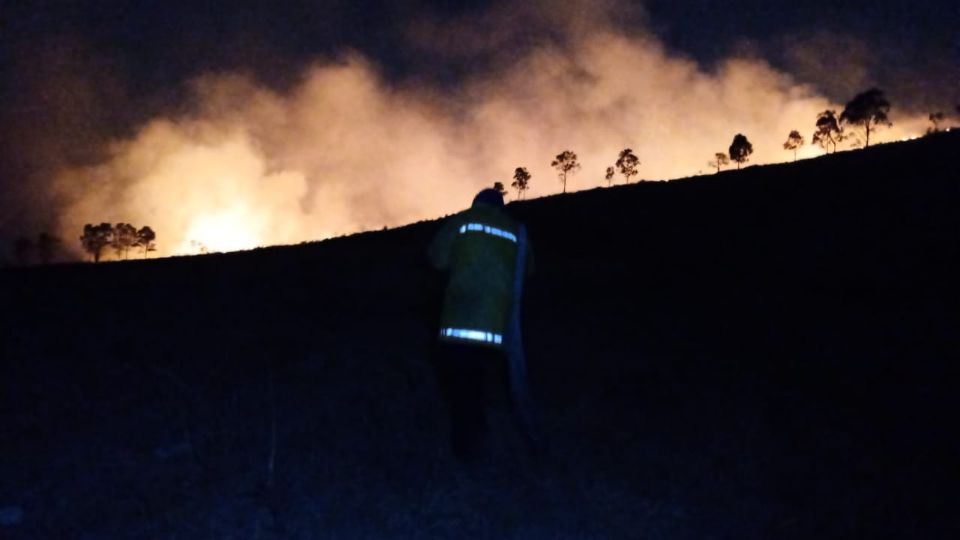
pixel 226 231
pixel 344 151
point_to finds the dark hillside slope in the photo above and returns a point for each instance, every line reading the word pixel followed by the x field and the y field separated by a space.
pixel 769 353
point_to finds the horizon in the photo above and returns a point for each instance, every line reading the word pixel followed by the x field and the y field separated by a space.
pixel 331 134
pixel 777 342
pixel 136 252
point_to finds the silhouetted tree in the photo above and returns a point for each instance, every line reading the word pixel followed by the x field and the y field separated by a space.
pixel 124 238
pixel 499 187
pixel 565 163
pixel 719 159
pixel 794 141
pixel 29 251
pixel 740 149
pixel 521 180
pixel 609 175
pixel 23 249
pixel 146 239
pixel 935 119
pixel 868 111
pixel 828 132
pixel 47 246
pixel 95 238
pixel 627 164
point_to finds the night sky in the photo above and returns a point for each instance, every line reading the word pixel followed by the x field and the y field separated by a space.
pixel 75 76
pixel 158 44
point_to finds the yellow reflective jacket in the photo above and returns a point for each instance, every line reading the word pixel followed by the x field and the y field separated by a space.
pixel 478 247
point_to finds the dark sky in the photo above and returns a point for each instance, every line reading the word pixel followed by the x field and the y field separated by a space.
pixel 159 43
pixel 699 25
pixel 75 74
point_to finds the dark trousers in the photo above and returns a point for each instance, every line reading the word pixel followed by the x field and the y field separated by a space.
pixel 470 377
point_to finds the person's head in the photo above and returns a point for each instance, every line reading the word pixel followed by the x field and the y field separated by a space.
pixel 489 197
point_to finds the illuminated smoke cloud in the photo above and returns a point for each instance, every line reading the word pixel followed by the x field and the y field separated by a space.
pixel 343 151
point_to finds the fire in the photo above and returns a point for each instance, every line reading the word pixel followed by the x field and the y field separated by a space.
pixel 343 151
pixel 230 230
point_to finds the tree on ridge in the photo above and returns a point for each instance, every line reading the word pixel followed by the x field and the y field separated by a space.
pixel 935 119
pixel 794 141
pixel 740 149
pixel 867 110
pixel 95 238
pixel 124 238
pixel 521 180
pixel 829 132
pixel 719 159
pixel 627 163
pixel 565 163
pixel 146 239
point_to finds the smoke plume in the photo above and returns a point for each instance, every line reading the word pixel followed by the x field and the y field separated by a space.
pixel 344 149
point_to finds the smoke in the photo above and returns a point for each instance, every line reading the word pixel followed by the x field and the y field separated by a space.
pixel 242 165
pixel 842 65
pixel 56 109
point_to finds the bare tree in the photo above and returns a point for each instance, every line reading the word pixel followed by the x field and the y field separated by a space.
pixel 95 238
pixel 521 181
pixel 868 111
pixel 627 164
pixel 719 159
pixel 794 141
pixel 828 132
pixel 740 149
pixel 565 163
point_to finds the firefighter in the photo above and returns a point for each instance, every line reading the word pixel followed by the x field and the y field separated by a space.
pixel 483 252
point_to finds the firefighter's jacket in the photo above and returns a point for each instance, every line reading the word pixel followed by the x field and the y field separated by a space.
pixel 478 247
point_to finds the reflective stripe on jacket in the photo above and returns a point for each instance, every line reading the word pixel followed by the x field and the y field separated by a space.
pixel 478 247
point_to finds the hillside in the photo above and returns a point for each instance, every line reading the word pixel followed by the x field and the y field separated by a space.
pixel 766 353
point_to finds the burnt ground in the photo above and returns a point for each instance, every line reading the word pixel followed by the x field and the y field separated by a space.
pixel 766 353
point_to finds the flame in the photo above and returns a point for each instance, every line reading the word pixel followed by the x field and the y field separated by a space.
pixel 343 151
pixel 225 231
